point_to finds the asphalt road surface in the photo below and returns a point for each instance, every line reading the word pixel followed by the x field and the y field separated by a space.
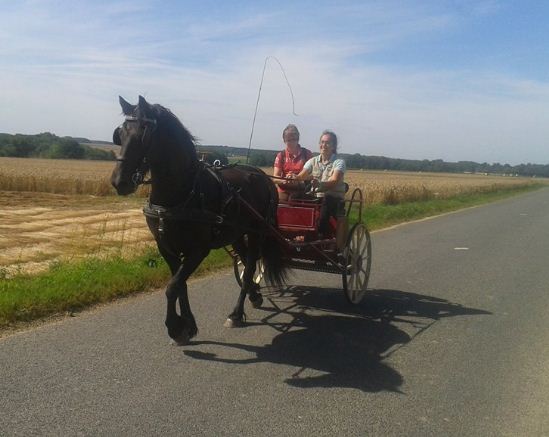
pixel 452 340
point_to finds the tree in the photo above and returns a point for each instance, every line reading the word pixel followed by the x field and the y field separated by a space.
pixel 67 149
pixel 259 160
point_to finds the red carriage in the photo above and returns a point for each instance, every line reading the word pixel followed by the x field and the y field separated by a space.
pixel 346 251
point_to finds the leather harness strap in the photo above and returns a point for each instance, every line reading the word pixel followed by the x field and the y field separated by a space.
pixel 184 212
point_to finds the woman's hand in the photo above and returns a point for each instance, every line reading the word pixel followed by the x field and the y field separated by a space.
pixel 291 180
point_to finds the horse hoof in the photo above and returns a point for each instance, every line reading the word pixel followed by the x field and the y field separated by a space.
pixel 257 301
pixel 233 323
pixel 182 340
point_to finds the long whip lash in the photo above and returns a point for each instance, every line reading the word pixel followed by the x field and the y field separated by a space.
pixel 259 96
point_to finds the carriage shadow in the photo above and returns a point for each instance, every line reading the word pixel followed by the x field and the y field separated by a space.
pixel 335 345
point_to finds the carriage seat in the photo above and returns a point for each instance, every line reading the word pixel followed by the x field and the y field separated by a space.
pixel 298 215
pixel 301 218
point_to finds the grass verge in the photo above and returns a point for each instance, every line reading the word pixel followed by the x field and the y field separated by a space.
pixel 382 216
pixel 69 287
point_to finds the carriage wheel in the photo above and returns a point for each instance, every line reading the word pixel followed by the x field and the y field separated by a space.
pixel 239 270
pixel 357 256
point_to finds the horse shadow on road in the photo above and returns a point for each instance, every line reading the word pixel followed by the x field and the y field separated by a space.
pixel 333 344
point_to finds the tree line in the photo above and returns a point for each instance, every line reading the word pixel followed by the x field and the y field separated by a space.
pixel 265 158
pixel 357 161
pixel 48 145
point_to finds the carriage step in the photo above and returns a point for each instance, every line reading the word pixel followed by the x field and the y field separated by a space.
pixel 314 266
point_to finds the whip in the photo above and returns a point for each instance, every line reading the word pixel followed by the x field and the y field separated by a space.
pixel 259 96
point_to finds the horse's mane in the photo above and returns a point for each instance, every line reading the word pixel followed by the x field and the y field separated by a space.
pixel 172 123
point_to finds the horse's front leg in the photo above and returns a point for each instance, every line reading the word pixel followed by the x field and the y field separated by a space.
pixel 181 328
pixel 173 321
pixel 249 255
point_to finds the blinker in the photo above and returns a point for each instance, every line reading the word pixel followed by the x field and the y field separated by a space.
pixel 116 137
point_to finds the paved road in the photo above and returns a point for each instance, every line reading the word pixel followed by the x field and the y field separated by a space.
pixel 453 339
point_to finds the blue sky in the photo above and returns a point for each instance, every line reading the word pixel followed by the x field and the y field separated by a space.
pixel 455 80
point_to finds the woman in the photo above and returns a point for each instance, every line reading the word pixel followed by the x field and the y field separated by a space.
pixel 289 162
pixel 325 172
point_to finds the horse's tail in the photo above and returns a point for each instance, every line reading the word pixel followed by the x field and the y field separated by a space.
pixel 276 269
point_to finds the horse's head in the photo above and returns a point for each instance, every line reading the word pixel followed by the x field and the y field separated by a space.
pixel 134 137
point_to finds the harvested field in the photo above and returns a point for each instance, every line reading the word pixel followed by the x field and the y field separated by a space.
pixel 37 229
pixel 61 209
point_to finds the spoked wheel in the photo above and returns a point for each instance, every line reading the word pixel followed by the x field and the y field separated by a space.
pixel 357 256
pixel 238 267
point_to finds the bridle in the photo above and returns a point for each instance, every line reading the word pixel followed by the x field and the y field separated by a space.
pixel 138 177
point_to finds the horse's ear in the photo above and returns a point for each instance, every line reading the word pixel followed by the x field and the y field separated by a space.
pixel 127 108
pixel 144 106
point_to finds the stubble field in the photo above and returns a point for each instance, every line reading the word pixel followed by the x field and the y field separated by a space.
pixel 54 210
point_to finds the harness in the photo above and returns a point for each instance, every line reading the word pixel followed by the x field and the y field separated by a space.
pixel 180 213
pixel 186 212
pixel 192 209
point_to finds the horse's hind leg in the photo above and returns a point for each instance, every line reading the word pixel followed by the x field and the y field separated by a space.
pixel 241 248
pixel 249 255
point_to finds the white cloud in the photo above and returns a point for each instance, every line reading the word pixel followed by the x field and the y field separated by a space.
pixel 69 84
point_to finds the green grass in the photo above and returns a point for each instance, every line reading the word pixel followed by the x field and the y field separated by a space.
pixel 68 287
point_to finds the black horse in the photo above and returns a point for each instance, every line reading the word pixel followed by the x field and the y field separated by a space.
pixel 194 207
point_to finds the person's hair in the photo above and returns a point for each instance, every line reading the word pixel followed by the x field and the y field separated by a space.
pixel 333 139
pixel 290 128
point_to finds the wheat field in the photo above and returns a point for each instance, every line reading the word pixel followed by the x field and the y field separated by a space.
pixel 93 177
pixel 63 209
pixel 396 187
